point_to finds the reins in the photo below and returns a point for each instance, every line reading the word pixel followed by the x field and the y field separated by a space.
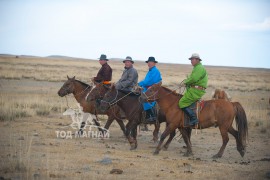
pixel 111 103
pixel 172 91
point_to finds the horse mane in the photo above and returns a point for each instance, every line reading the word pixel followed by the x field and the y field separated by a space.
pixel 171 91
pixel 83 83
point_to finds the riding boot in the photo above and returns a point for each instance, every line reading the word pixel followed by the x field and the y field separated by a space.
pixel 191 115
pixel 150 116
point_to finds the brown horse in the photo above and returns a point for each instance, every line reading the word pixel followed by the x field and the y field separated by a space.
pixel 219 113
pixel 221 94
pixel 99 91
pixel 80 90
pixel 132 106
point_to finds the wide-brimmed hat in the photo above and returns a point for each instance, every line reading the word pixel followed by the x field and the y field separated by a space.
pixel 128 58
pixel 151 59
pixel 103 57
pixel 195 55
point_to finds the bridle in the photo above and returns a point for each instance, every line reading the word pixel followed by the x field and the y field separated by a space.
pixel 66 90
pixel 148 98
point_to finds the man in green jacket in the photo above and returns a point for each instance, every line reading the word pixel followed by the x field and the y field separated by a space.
pixel 196 84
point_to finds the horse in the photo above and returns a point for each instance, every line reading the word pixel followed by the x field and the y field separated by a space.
pixel 219 113
pixel 221 94
pixel 98 93
pixel 131 104
pixel 80 90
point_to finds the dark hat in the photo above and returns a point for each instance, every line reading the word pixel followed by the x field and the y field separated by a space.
pixel 128 58
pixel 195 56
pixel 103 57
pixel 151 59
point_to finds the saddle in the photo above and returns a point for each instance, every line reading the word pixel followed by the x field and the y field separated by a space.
pixel 197 108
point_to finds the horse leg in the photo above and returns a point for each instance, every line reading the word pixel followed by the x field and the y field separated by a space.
pixel 97 123
pixel 129 133
pixel 167 131
pixel 186 133
pixel 172 134
pixel 155 132
pixel 225 140
pixel 134 135
pixel 121 124
pixel 240 147
pixel 84 118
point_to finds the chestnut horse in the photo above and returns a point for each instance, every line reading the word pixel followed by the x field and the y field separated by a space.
pixel 80 90
pixel 132 106
pixel 219 113
pixel 99 91
pixel 221 94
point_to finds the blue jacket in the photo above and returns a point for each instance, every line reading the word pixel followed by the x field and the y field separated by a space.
pixel 153 76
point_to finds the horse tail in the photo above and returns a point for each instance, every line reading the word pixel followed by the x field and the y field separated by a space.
pixel 241 122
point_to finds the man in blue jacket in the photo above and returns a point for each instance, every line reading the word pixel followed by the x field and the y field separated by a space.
pixel 153 76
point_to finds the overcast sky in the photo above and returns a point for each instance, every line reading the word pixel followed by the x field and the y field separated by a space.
pixel 224 32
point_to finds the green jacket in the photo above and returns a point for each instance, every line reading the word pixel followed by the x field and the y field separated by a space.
pixel 198 77
pixel 195 78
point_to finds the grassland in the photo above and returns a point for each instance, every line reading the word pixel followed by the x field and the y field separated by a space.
pixel 31 111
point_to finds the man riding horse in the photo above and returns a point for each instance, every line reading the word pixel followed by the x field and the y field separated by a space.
pixel 129 77
pixel 104 75
pixel 196 84
pixel 153 76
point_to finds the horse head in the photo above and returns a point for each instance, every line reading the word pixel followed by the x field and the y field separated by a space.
pixel 221 94
pixel 67 88
pixel 97 92
pixel 151 94
pixel 109 98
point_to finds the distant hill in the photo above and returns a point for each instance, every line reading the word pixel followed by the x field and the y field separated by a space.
pixel 60 57
pixel 19 56
pixel 7 55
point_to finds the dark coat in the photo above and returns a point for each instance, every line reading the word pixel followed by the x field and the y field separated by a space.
pixel 104 74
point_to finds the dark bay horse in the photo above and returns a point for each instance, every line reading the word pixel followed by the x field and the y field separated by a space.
pixel 80 91
pixel 219 113
pixel 98 92
pixel 132 106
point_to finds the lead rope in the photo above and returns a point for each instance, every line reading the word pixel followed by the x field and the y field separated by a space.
pixel 67 102
pixel 198 111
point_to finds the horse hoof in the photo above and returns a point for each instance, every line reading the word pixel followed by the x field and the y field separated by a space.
pixel 155 152
pixel 216 156
pixel 133 147
pixel 242 153
pixel 165 148
pixel 187 154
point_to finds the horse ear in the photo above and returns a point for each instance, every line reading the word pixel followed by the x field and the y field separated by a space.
pixel 68 77
pixel 73 78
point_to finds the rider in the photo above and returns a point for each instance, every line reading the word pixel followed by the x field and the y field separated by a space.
pixel 104 75
pixel 153 76
pixel 196 84
pixel 129 77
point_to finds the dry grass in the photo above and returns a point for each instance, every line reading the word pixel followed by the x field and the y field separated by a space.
pixel 242 83
pixel 28 92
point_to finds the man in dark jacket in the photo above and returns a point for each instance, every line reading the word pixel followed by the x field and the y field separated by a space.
pixel 129 77
pixel 104 75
